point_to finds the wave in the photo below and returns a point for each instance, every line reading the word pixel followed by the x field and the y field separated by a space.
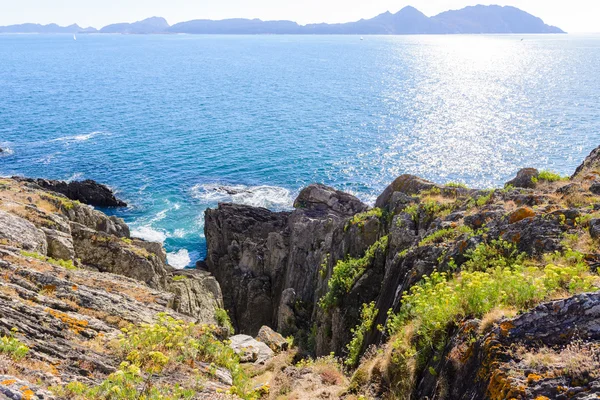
pixel 272 197
pixel 75 176
pixel 78 138
pixel 179 259
pixel 150 234
pixel 6 151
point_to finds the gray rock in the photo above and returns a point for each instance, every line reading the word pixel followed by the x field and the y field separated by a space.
pixel 198 295
pixel 250 349
pixel 595 228
pixel 108 253
pixel 321 199
pixel 274 340
pixel 595 188
pixel 22 233
pixel 525 178
pixel 60 244
pixel 12 388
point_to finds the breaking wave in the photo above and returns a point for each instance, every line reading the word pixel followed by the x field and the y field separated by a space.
pixel 272 197
pixel 179 259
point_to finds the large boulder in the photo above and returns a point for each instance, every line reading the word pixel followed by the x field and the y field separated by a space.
pixel 272 339
pixel 22 233
pixel 321 199
pixel 60 244
pixel 250 349
pixel 87 192
pixel 526 178
pixel 406 184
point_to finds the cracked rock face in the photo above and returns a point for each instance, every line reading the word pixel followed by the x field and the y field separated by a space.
pixel 71 278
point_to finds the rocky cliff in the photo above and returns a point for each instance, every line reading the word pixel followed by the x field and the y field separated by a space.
pixel 70 279
pixel 345 278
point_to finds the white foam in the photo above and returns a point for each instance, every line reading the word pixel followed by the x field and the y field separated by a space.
pixel 77 138
pixel 272 197
pixel 7 151
pixel 179 259
pixel 150 234
pixel 75 177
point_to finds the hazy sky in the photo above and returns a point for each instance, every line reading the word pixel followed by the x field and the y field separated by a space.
pixel 570 15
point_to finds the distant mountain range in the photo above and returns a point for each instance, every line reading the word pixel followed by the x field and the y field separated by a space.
pixel 409 20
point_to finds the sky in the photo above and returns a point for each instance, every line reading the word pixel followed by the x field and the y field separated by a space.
pixel 571 15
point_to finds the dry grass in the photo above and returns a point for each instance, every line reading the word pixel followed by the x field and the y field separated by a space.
pixel 494 316
pixel 579 361
pixel 310 379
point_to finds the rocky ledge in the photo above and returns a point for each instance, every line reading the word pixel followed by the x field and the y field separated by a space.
pixel 419 295
pixel 87 192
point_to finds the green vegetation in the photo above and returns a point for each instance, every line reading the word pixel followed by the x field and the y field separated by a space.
pixel 61 201
pixel 482 200
pixel 152 351
pixel 361 218
pixel 347 272
pixel 457 185
pixel 495 275
pixel 223 320
pixel 548 176
pixel 179 278
pixel 443 235
pixel 13 347
pixel 497 253
pixel 67 264
pixel 367 317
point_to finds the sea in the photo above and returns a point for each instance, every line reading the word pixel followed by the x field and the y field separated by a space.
pixel 176 124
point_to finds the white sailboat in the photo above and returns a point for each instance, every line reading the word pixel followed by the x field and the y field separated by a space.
pixel 74 37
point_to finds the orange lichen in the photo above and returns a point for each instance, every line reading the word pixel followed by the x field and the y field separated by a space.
pixel 505 327
pixel 533 378
pixel 8 382
pixel 27 394
pixel 76 325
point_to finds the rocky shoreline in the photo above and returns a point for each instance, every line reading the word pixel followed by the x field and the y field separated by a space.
pixel 438 292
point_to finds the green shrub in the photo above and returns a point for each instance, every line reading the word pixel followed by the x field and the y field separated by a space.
pixel 439 236
pixel 549 176
pixel 13 347
pixel 367 318
pixel 457 185
pixel 361 218
pixel 149 349
pixel 347 272
pixel 223 320
pixel 179 278
pixel 441 300
pixel 497 253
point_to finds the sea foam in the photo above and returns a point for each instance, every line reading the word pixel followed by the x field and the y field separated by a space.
pixel 179 259
pixel 272 197
pixel 150 234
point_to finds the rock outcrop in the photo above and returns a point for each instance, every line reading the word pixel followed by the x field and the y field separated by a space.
pixel 70 279
pixel 87 192
pixel 48 225
pixel 310 272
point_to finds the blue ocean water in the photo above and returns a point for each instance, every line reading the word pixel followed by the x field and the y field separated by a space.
pixel 177 123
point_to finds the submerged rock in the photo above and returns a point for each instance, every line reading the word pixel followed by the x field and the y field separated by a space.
pixel 87 192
